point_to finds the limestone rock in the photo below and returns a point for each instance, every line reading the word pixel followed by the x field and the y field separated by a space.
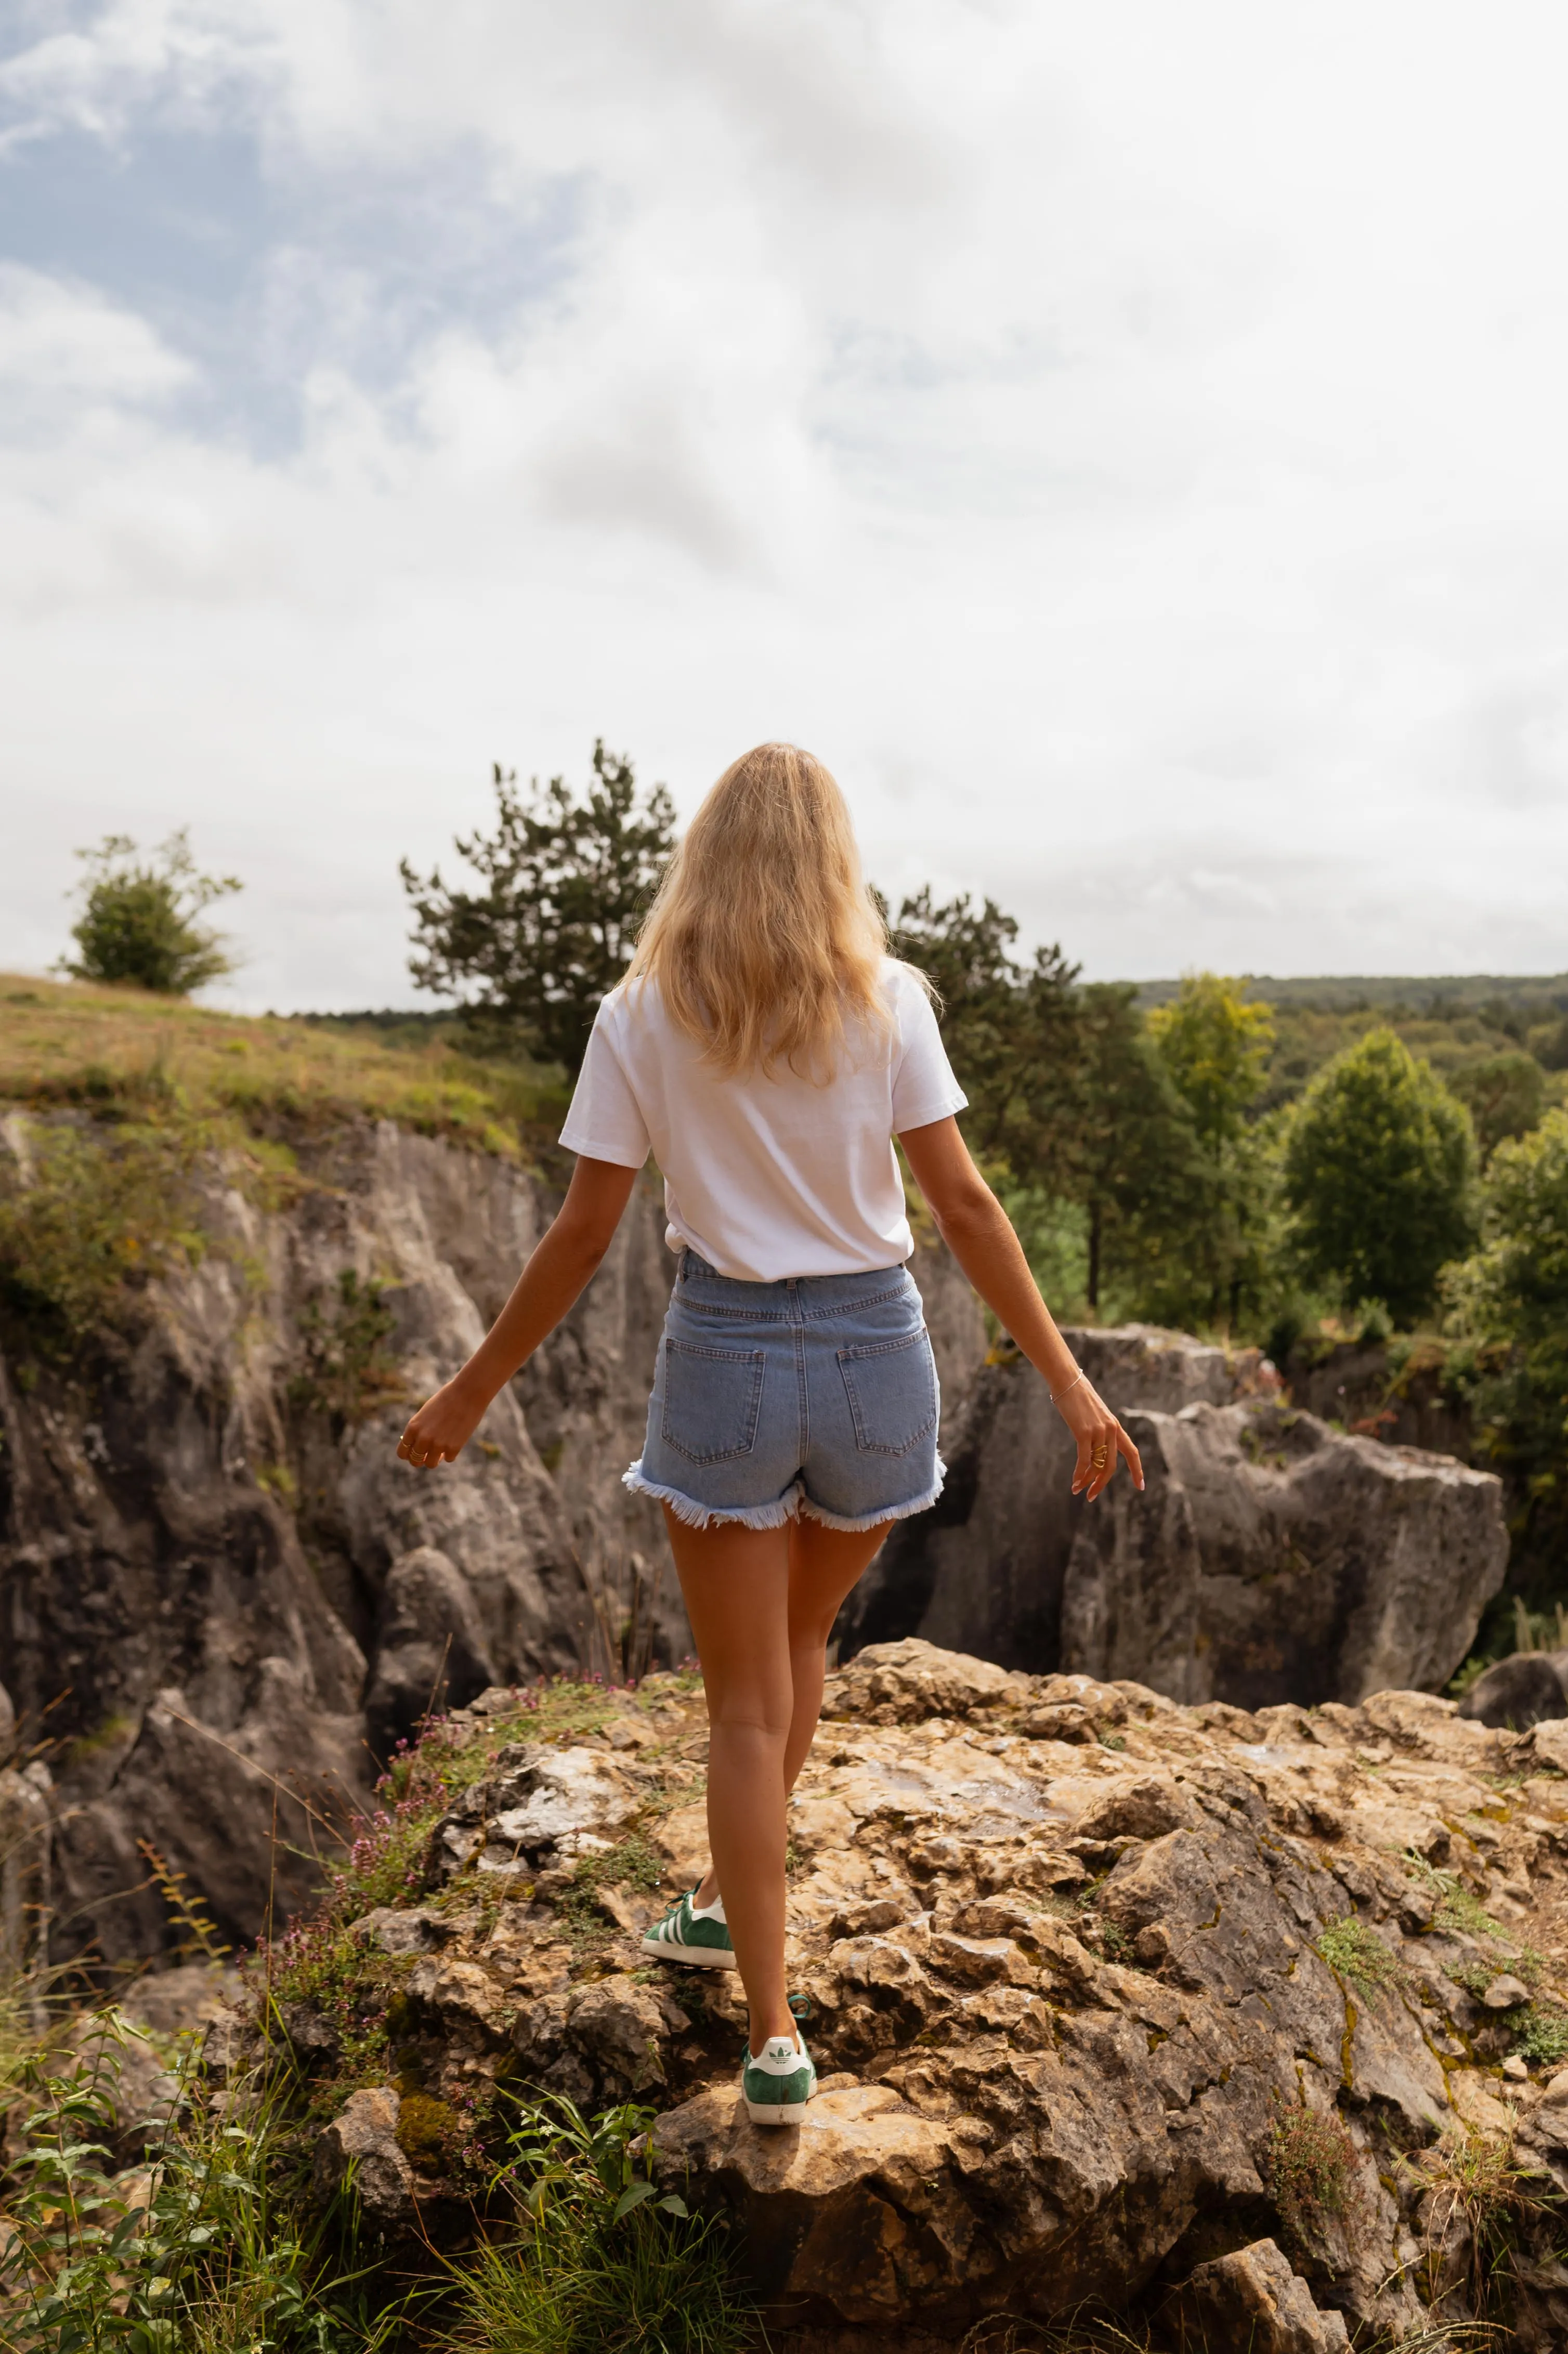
pixel 1268 1560
pixel 364 2136
pixel 1253 2299
pixel 25 1821
pixel 431 1653
pixel 1063 1996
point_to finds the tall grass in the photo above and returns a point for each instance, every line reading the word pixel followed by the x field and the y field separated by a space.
pixel 599 2260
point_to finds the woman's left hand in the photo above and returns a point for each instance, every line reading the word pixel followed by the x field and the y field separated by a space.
pixel 1102 1442
pixel 442 1427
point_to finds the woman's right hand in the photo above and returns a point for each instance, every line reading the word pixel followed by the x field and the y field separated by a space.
pixel 1101 1441
pixel 443 1425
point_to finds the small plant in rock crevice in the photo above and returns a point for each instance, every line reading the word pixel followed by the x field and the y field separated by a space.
pixel 632 1862
pixel 1356 1954
pixel 1308 2164
pixel 350 1369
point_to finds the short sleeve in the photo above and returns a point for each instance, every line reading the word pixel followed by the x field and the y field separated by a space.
pixel 604 1122
pixel 924 1087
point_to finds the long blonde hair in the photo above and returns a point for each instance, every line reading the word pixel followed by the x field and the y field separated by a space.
pixel 763 937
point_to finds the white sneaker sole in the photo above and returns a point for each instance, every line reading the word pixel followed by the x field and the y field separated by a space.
pixel 776 2113
pixel 699 1958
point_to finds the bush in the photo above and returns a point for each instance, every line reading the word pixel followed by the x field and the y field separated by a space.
pixel 1308 2165
pixel 1379 1166
pixel 87 1222
pixel 138 923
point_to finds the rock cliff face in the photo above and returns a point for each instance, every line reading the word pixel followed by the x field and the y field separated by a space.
pixel 1270 1559
pixel 1113 2000
pixel 218 1586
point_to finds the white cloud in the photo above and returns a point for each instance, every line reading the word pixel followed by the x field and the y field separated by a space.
pixel 1126 445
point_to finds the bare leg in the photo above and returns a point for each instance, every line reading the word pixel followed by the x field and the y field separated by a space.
pixel 762 1604
pixel 735 1582
pixel 824 1565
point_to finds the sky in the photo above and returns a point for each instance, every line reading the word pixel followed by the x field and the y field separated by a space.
pixel 1127 443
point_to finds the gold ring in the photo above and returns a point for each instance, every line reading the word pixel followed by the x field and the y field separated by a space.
pixel 1099 1457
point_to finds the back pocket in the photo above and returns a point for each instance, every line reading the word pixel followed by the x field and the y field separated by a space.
pixel 712 1401
pixel 892 1391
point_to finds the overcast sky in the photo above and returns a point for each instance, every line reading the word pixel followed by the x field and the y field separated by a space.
pixel 1127 443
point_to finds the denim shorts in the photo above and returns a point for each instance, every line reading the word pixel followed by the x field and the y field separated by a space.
pixel 817 1395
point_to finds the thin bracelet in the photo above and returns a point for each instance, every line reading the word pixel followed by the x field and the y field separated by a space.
pixel 1081 1375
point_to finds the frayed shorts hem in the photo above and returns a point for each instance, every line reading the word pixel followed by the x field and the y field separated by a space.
pixel 787 1507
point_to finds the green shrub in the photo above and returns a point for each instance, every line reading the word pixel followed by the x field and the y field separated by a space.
pixel 138 923
pixel 93 1216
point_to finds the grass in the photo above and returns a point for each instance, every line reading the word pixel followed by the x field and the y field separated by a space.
pixel 93 1219
pixel 133 1095
pixel 68 1043
pixel 1356 1954
pixel 600 2260
pixel 1477 2183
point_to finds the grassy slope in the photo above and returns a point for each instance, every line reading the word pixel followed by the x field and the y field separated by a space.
pixel 65 1042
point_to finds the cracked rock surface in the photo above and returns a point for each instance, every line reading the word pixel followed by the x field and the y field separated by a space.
pixel 1085 1966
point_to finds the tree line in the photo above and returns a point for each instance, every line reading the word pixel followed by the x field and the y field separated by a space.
pixel 1150 1159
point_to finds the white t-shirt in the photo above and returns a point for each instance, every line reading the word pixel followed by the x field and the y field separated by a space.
pixel 766 1175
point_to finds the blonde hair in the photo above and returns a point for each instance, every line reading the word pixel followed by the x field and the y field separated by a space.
pixel 763 937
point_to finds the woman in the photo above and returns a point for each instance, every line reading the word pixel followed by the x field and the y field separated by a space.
pixel 766 1050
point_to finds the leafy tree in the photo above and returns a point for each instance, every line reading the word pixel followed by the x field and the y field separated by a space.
pixel 565 883
pixel 1012 1031
pixel 1506 1094
pixel 1136 1166
pixel 1066 1095
pixel 1379 1166
pixel 138 921
pixel 1514 1292
pixel 1215 1044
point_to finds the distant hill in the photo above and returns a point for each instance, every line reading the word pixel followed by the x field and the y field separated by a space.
pixel 1438 994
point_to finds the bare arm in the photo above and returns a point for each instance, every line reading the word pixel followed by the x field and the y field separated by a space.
pixel 567 1255
pixel 976 1229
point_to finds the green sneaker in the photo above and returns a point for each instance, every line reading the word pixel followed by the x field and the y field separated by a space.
pixel 777 2082
pixel 686 1935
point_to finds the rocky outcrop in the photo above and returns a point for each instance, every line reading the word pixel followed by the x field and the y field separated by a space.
pixel 221 1597
pixel 1270 1557
pixel 1101 1987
